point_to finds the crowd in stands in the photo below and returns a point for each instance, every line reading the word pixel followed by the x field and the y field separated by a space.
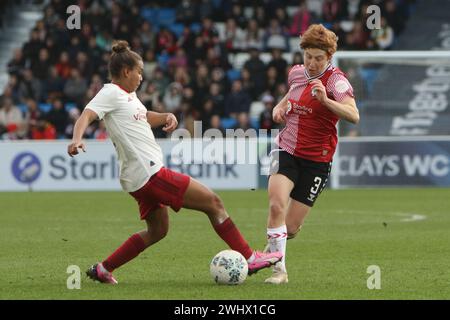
pixel 187 68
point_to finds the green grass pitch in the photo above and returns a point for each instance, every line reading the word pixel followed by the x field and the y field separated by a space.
pixel 406 232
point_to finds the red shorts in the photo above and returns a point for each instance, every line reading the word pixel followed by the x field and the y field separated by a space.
pixel 164 188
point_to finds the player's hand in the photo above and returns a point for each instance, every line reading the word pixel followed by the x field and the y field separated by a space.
pixel 319 91
pixel 278 115
pixel 72 149
pixel 171 123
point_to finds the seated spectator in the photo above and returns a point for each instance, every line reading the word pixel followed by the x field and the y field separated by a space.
pixel 160 80
pixel 12 125
pixel 206 113
pixel 53 85
pixel 149 96
pixel 216 123
pixel 32 116
pixel 150 64
pixel 84 65
pixel 333 10
pixel 234 37
pixel 238 15
pixel 74 114
pixel 30 87
pixel 147 35
pixel 265 118
pixel 17 63
pixel 249 85
pixel 58 118
pixel 165 41
pixel 95 86
pixel 279 63
pixel 11 90
pixel 282 16
pixel 32 47
pixel 172 97
pixel 301 20
pixel 383 37
pixel 297 59
pixel 218 76
pixel 281 91
pixel 182 76
pixel 186 117
pixel 75 88
pixel 243 122
pixel 202 80
pixel 217 97
pixel 257 70
pixel 178 60
pixel 63 66
pixel 275 36
pixel 271 80
pixel 41 67
pixel 186 12
pixel 43 131
pixel 237 101
pixel 253 36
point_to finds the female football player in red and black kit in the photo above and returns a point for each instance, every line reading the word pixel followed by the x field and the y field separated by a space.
pixel 319 95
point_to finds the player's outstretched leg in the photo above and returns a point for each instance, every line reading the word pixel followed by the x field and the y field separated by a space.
pixel 201 198
pixel 157 228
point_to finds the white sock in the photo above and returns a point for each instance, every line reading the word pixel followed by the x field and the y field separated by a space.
pixel 277 242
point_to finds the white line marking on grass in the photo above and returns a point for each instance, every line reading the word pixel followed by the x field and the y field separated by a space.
pixel 411 217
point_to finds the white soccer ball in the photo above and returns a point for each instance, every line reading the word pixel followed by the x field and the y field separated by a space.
pixel 228 267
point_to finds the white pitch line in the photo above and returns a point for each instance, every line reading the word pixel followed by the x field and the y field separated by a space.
pixel 412 217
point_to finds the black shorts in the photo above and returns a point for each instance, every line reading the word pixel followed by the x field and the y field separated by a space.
pixel 309 177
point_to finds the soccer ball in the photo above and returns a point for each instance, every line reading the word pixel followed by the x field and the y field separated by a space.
pixel 228 267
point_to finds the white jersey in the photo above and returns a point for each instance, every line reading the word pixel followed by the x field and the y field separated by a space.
pixel 125 118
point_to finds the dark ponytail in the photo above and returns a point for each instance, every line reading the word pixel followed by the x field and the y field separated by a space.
pixel 122 57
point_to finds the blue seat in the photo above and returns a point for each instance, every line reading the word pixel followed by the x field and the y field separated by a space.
pixel 254 122
pixel 196 27
pixel 216 3
pixel 177 28
pixel 23 108
pixel 166 17
pixel 328 25
pixel 163 59
pixel 369 75
pixel 45 107
pixel 69 106
pixel 233 74
pixel 228 123
pixel 149 14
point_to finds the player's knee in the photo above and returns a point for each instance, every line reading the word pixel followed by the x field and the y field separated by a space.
pixel 216 203
pixel 162 231
pixel 276 209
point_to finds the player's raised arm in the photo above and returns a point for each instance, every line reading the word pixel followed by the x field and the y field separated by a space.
pixel 345 109
pixel 87 116
pixel 168 120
